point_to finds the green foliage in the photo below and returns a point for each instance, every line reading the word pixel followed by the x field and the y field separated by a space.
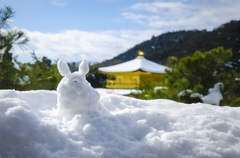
pixel 195 75
pixel 235 103
pixel 147 90
pixel 153 93
pixel 9 75
pixel 5 14
pixel 199 72
pixel 40 75
pixel 9 37
pixel 95 78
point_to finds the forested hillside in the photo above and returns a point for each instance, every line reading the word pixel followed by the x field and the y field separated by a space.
pixel 184 43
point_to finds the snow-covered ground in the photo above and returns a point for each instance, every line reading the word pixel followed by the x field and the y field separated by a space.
pixel 78 121
pixel 30 126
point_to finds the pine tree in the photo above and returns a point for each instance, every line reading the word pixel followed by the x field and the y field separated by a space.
pixel 8 39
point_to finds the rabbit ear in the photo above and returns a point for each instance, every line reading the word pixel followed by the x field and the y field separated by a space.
pixel 63 68
pixel 83 67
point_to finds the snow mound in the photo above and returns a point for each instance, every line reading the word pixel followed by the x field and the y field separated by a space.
pixel 30 127
pixel 215 96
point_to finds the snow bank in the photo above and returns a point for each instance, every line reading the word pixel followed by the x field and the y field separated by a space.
pixel 30 127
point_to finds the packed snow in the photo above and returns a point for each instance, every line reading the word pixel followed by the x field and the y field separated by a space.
pixel 40 124
pixel 215 95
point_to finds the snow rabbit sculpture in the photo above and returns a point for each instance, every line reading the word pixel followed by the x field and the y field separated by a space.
pixel 75 94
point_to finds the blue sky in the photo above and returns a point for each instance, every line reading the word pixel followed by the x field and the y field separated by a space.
pixel 101 29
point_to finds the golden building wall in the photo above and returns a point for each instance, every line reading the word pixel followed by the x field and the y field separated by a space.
pixel 133 80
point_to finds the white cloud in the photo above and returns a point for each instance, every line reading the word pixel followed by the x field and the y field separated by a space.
pixel 177 15
pixel 156 17
pixel 59 2
pixel 73 45
pixel 155 7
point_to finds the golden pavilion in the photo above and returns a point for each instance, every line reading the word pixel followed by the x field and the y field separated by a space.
pixel 133 73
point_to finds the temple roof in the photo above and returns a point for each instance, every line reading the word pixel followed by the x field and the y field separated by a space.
pixel 139 63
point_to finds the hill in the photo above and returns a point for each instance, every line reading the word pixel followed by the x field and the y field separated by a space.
pixel 184 43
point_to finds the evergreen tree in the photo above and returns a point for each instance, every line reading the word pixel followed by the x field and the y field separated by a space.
pixel 40 75
pixel 95 78
pixel 198 73
pixel 8 39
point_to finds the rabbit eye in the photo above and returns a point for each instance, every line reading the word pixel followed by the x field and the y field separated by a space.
pixel 76 80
